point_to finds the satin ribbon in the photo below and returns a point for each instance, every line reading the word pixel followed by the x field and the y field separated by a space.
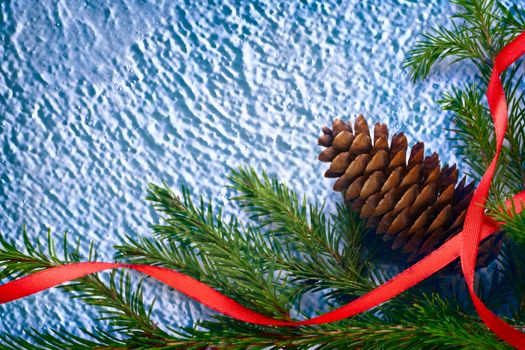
pixel 465 245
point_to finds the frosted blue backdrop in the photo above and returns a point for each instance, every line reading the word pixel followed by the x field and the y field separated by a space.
pixel 99 98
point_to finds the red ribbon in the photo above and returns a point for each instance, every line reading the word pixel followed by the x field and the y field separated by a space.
pixel 465 245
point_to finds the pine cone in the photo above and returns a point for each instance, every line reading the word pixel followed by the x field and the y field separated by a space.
pixel 416 203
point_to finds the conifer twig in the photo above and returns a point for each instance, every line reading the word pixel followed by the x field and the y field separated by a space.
pixel 118 302
pixel 224 250
pixel 485 26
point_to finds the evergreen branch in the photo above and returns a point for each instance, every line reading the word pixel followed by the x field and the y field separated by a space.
pixel 512 261
pixel 434 324
pixel 278 209
pixel 513 21
pixel 346 280
pixel 482 22
pixel 474 131
pixel 234 256
pixel 303 276
pixel 474 134
pixel 479 30
pixel 189 230
pixel 118 302
pixel 488 26
pixel 436 45
pixel 511 258
pixel 317 251
pixel 513 223
pixel 63 339
pixel 164 253
pixel 16 263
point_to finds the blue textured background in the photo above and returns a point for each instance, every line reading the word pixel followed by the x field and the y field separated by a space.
pixel 99 98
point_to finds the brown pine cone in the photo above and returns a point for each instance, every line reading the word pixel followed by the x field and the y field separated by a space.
pixel 415 203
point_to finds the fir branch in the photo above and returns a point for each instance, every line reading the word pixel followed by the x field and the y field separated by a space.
pixel 151 251
pixel 488 26
pixel 278 209
pixel 434 324
pixel 303 276
pixel 16 263
pixel 319 252
pixel 121 305
pixel 63 339
pixel 482 22
pixel 474 134
pixel 476 34
pixel 473 128
pixel 513 20
pixel 512 261
pixel 351 277
pixel 233 257
pixel 189 230
pixel 436 45
pixel 513 223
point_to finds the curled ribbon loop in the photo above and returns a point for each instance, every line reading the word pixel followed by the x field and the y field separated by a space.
pixel 464 245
